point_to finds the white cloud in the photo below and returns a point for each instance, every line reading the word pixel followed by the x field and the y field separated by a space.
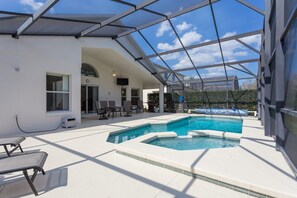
pixel 183 26
pixel 168 13
pixel 228 34
pixel 187 39
pixel 165 46
pixel 210 54
pixel 35 5
pixel 173 56
pixel 240 53
pixel 255 39
pixel 190 38
pixel 164 27
pixel 214 72
pixel 201 56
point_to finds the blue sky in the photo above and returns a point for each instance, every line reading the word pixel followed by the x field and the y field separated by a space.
pixel 197 27
pixel 194 27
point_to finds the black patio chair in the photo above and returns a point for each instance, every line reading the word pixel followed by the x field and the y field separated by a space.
pixel 127 108
pixel 139 106
pixel 102 112
pixel 113 108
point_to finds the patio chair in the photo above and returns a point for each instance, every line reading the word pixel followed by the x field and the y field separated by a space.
pixel 104 105
pixel 113 108
pixel 102 112
pixel 24 162
pixel 127 108
pixel 13 142
pixel 139 106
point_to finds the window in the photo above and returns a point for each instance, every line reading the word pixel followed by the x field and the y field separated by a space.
pixel 135 96
pixel 88 70
pixel 57 92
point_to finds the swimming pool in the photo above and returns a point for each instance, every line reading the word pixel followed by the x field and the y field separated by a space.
pixel 181 127
pixel 194 143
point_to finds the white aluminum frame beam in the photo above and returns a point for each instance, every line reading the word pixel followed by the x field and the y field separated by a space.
pixel 246 69
pixel 144 38
pixel 173 15
pixel 203 44
pixel 248 46
pixel 215 65
pixel 252 7
pixel 39 13
pixel 210 81
pixel 116 17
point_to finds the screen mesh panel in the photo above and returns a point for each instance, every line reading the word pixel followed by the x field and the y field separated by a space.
pixel 147 35
pixel 108 31
pixel 47 26
pixel 170 6
pixel 10 23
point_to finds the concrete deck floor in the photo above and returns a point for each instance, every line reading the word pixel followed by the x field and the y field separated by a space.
pixel 82 164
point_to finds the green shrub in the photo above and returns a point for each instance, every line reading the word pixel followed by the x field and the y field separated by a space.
pixel 244 99
pixel 170 101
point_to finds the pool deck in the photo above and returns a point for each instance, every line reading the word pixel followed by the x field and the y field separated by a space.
pixel 82 164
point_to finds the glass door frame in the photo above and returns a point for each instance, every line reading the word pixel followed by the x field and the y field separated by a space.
pixel 87 97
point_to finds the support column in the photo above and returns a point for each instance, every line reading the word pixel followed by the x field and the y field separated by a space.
pixel 267 70
pixel 280 75
pixel 161 98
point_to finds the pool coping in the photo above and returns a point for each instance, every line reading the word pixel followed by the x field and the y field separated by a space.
pixel 129 149
pixel 197 174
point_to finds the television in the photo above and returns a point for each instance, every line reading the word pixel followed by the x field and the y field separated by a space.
pixel 122 81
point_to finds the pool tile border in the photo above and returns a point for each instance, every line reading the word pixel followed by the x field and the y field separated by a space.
pixel 195 175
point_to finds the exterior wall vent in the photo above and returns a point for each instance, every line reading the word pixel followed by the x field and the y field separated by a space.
pixel 68 122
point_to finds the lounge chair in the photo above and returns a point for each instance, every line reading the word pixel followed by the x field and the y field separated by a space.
pixel 24 162
pixel 113 108
pixel 102 112
pixel 127 108
pixel 13 142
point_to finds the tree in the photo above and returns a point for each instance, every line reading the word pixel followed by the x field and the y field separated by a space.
pixel 248 84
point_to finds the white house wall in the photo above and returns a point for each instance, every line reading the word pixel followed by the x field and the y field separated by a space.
pixel 23 67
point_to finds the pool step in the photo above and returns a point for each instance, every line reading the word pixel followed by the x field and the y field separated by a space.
pixel 184 136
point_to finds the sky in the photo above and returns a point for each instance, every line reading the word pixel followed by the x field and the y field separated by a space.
pixel 195 27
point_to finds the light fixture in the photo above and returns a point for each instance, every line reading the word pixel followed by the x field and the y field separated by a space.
pixel 114 74
pixel 17 69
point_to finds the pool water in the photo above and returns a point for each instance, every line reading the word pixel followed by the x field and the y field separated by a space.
pixel 181 128
pixel 194 143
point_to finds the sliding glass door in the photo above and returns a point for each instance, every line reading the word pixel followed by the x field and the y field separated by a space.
pixel 89 96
